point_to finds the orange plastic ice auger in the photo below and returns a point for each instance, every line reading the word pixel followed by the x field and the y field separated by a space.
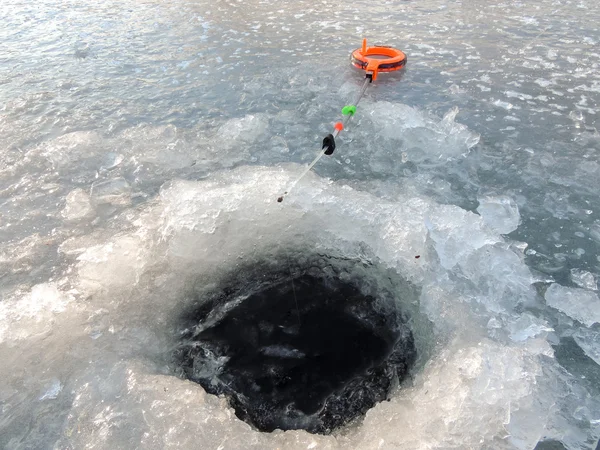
pixel 372 60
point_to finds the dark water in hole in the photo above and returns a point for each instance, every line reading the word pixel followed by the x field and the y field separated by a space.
pixel 307 355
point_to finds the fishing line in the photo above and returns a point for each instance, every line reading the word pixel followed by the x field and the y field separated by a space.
pixel 373 60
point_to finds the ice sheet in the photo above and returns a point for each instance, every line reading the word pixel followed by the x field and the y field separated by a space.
pixel 126 289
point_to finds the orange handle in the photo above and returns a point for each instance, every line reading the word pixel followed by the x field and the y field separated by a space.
pixel 373 66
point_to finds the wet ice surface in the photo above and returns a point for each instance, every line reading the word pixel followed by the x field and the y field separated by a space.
pixel 144 144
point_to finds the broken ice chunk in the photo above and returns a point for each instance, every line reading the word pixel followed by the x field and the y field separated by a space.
pixel 576 303
pixel 116 192
pixel 526 327
pixel 111 160
pixel 116 263
pixel 52 390
pixel 500 213
pixel 589 341
pixel 77 206
pixel 246 129
pixel 457 234
pixel 584 279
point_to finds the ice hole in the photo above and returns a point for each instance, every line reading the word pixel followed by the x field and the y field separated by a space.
pixel 304 351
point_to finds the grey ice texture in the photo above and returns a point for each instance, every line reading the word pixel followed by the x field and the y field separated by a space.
pixel 142 149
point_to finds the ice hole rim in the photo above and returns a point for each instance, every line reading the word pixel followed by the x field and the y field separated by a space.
pixel 210 302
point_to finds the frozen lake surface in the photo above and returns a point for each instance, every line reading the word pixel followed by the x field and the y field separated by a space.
pixel 143 145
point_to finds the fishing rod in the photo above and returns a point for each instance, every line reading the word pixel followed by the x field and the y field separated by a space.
pixel 373 60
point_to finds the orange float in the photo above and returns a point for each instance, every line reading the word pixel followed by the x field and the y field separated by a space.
pixel 379 58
